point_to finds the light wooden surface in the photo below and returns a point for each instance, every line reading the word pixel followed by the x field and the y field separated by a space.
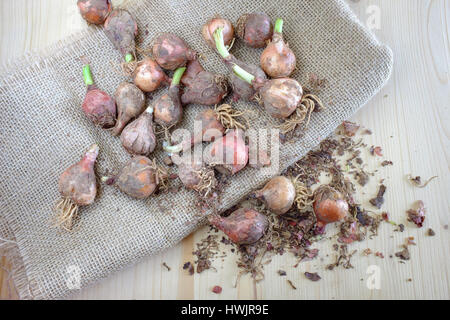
pixel 410 119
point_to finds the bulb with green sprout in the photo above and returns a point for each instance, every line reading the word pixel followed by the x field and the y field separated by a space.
pixel 94 11
pixel 138 137
pixel 277 59
pixel 149 76
pixel 281 97
pixel 211 26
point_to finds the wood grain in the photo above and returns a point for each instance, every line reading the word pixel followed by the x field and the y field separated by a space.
pixel 410 119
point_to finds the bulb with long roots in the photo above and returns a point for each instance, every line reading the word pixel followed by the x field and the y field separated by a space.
pixel 78 187
pixel 192 172
pixel 203 87
pixel 98 106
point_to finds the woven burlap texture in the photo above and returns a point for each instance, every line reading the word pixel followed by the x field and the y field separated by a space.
pixel 43 131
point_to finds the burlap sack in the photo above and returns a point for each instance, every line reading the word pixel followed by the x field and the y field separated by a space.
pixel 43 130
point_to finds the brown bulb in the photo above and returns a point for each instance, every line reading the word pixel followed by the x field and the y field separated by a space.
pixel 255 29
pixel 277 59
pixel 148 76
pixel 138 137
pixel 229 154
pixel 99 107
pixel 121 29
pixel 94 11
pixel 203 87
pixel 211 26
pixel 78 182
pixel 243 226
pixel 329 205
pixel 168 108
pixel 130 102
pixel 78 187
pixel 137 178
pixel 281 96
pixel 172 52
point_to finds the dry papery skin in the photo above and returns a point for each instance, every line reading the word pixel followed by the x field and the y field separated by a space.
pixel 280 97
pixel 211 26
pixel 138 137
pixel 298 229
pixel 171 52
pixel 329 205
pixel 283 98
pixel 168 113
pixel 417 181
pixel 194 175
pixel 203 87
pixel 98 106
pixel 139 178
pixel 130 103
pixel 211 126
pixel 78 187
pixel 148 76
pixel 121 29
pixel 255 29
pixel 94 11
pixel 417 213
pixel 214 123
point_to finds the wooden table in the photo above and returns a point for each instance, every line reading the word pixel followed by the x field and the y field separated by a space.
pixel 410 119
